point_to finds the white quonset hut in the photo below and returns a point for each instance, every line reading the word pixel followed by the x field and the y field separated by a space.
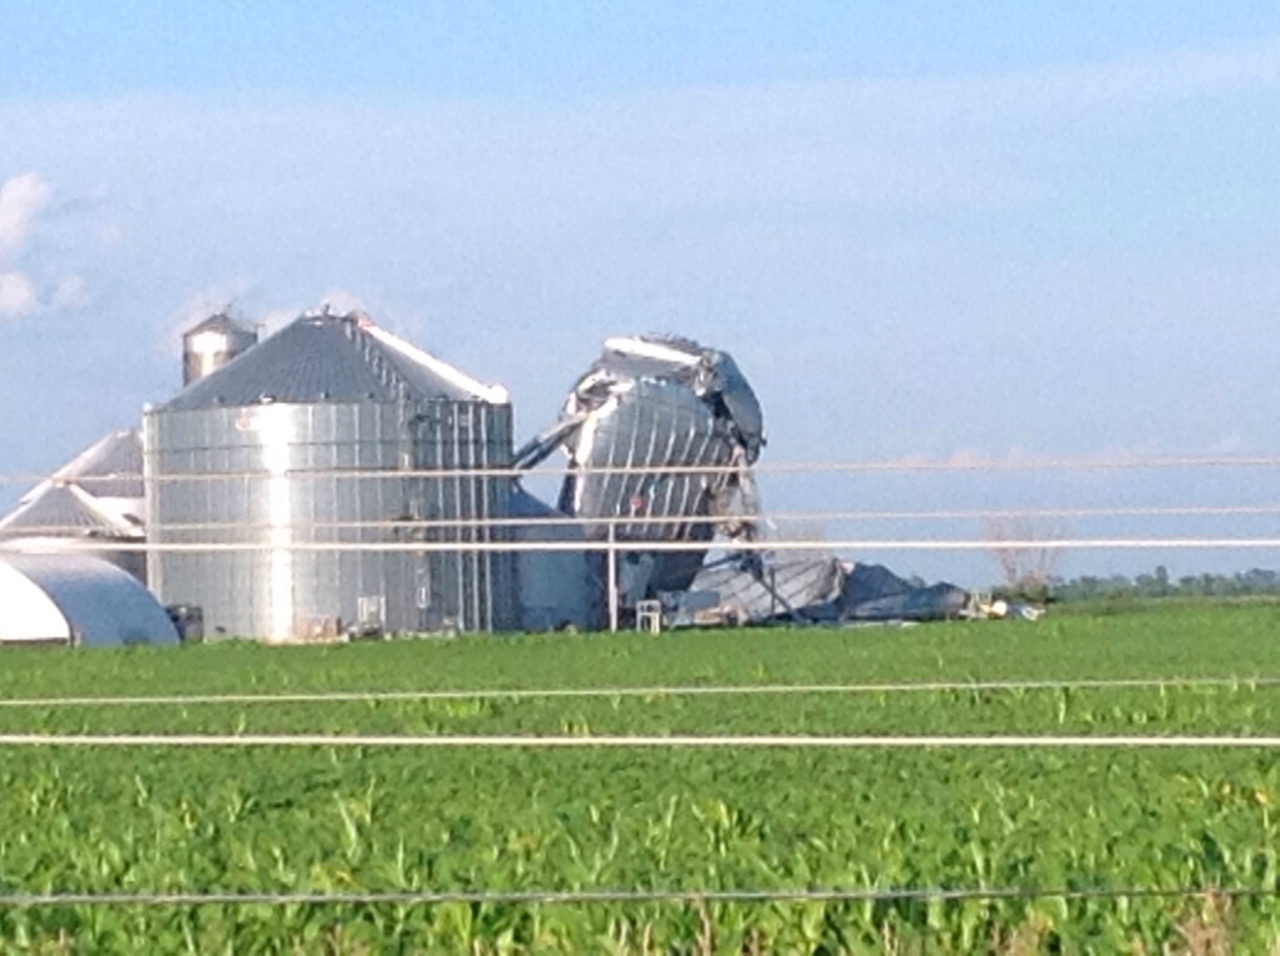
pixel 79 600
pixel 296 481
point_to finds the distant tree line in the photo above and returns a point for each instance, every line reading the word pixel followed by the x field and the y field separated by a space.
pixel 1157 584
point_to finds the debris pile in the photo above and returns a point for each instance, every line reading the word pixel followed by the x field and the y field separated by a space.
pixel 750 588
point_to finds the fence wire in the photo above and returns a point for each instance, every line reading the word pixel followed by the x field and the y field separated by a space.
pixel 654 691
pixel 649 741
pixel 626 896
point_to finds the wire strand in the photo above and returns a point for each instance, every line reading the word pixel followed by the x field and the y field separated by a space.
pixel 636 741
pixel 516 693
pixel 904 465
pixel 606 896
pixel 557 521
pixel 92 545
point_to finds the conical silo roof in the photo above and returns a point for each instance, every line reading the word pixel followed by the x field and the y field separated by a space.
pixel 55 509
pixel 219 322
pixel 109 468
pixel 331 358
pixel 99 491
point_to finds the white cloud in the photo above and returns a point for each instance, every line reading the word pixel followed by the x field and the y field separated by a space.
pixel 110 235
pixel 17 295
pixel 21 199
pixel 71 294
pixel 342 301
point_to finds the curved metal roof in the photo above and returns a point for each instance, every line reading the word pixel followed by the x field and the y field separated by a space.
pixel 101 604
pixel 332 358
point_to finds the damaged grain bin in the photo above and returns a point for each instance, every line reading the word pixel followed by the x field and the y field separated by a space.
pixel 660 434
pixel 300 457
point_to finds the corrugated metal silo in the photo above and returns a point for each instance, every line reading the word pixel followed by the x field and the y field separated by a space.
pixel 308 440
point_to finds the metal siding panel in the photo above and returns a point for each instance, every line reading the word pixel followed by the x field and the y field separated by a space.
pixel 234 588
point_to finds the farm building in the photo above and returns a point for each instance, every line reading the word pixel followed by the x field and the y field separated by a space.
pixel 308 463
pixel 76 599
pixel 333 479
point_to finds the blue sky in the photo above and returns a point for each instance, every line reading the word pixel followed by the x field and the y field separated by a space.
pixel 922 229
pixel 539 50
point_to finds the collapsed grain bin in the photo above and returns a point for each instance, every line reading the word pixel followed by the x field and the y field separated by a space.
pixel 288 471
pixel 661 434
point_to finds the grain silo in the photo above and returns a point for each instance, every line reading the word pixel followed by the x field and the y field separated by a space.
pixel 300 457
pixel 211 344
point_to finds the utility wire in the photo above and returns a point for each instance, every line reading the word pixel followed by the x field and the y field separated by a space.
pixel 518 693
pixel 116 545
pixel 905 465
pixel 557 521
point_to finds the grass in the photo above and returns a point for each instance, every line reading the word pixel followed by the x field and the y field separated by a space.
pixel 330 819
pixel 1187 641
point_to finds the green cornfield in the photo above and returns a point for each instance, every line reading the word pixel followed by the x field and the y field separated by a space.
pixel 1107 825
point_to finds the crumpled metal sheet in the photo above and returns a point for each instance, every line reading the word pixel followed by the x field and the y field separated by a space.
pixel 872 592
pixel 662 406
pixel 750 589
pixel 743 589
